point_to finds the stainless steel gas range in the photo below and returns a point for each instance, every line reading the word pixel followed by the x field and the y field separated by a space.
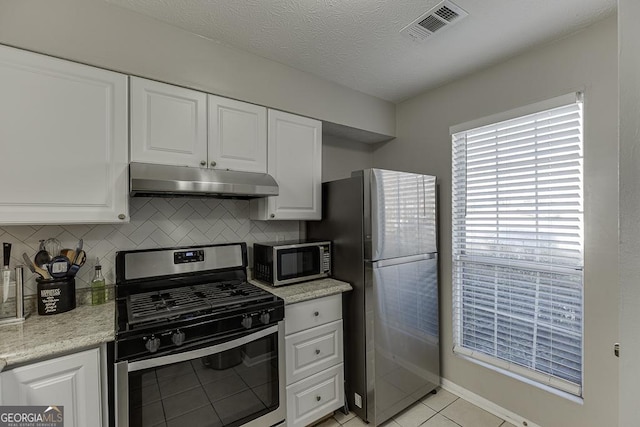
pixel 196 344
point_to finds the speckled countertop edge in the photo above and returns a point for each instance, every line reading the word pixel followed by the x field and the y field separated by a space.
pixel 41 337
pixel 305 291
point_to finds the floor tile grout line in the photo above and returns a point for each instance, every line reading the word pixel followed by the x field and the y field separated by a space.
pixel 434 414
pixel 451 420
pixel 448 404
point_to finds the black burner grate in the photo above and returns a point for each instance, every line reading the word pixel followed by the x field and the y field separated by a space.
pixel 171 303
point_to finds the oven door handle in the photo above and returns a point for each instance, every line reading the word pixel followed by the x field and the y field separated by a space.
pixel 201 352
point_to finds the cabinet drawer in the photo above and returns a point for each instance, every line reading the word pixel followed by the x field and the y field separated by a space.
pixel 315 312
pixel 314 397
pixel 313 350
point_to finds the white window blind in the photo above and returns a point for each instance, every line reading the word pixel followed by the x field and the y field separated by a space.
pixel 518 245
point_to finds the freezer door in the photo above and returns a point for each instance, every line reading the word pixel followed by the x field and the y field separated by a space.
pixel 403 214
pixel 406 352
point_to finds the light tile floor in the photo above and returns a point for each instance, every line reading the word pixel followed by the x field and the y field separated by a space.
pixel 443 409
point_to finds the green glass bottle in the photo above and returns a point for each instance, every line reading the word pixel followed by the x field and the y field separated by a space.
pixel 98 289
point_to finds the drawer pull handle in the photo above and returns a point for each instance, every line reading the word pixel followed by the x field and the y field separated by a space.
pixel 318 398
pixel 317 351
pixel 316 313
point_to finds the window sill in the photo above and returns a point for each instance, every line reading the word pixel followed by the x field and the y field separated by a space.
pixel 563 394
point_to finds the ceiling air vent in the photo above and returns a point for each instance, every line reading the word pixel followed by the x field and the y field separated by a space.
pixel 444 15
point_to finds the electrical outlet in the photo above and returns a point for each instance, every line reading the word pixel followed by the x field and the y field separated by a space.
pixel 357 400
pixel 281 237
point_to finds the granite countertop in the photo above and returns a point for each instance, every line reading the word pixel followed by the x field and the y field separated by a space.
pixel 41 337
pixel 299 292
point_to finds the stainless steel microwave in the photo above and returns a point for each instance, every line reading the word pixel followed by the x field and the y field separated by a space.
pixel 286 262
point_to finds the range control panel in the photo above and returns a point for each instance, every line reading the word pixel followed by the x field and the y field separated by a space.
pixel 184 257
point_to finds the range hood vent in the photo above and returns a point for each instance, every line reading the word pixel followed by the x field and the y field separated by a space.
pixel 444 15
pixel 147 179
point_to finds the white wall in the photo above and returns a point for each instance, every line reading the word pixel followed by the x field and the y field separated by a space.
pixel 341 156
pixel 98 33
pixel 629 48
pixel 586 60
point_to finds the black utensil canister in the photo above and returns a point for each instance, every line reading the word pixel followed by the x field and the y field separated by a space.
pixel 56 295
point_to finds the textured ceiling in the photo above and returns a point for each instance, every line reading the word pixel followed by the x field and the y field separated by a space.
pixel 358 44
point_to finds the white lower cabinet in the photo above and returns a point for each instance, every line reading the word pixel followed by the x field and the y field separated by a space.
pixel 310 399
pixel 72 382
pixel 314 359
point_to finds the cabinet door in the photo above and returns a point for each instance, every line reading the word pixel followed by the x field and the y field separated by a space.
pixel 294 159
pixel 315 397
pixel 237 135
pixel 64 137
pixel 168 124
pixel 71 381
pixel 314 350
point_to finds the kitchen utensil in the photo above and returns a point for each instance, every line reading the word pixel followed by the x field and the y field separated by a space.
pixel 53 246
pixel 69 253
pixel 59 266
pixel 6 273
pixel 81 258
pixel 29 263
pixel 34 268
pixel 72 256
pixel 42 258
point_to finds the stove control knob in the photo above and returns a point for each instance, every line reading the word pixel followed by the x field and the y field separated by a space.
pixel 264 318
pixel 152 344
pixel 178 337
pixel 247 321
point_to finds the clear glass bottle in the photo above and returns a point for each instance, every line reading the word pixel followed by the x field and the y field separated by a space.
pixel 98 289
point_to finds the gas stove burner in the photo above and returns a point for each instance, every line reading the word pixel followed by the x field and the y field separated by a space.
pixel 226 286
pixel 161 297
pixel 163 305
pixel 203 298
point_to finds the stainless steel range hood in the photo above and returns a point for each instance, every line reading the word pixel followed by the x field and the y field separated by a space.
pixel 147 179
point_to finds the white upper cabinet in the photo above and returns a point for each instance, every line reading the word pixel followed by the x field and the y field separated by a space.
pixel 237 135
pixel 64 137
pixel 177 126
pixel 295 161
pixel 168 124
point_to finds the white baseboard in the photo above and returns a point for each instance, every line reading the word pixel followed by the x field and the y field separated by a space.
pixel 487 405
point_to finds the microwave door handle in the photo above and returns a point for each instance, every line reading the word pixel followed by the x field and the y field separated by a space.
pixel 201 352
pixel 274 266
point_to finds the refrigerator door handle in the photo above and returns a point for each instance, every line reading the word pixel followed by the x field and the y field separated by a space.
pixel 403 260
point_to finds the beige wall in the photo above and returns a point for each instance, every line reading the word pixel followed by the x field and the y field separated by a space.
pixel 341 156
pixel 629 48
pixel 98 33
pixel 587 60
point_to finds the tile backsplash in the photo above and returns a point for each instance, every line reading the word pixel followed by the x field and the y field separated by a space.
pixel 155 222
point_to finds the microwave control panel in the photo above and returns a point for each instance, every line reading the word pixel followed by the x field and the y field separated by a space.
pixel 326 258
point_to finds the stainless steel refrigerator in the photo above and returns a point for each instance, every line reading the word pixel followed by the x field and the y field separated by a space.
pixel 383 227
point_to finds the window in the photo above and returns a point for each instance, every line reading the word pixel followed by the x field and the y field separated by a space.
pixel 518 242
